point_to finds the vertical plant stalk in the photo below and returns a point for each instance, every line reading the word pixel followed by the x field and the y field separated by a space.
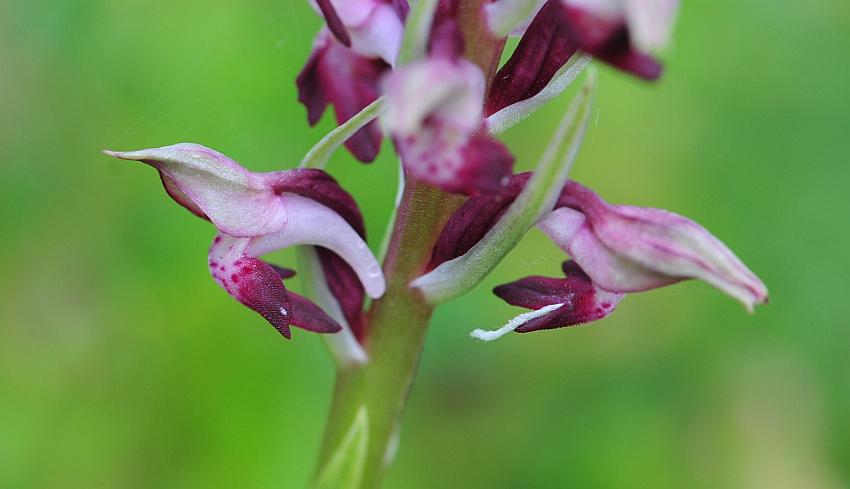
pixel 397 322
pixel 369 399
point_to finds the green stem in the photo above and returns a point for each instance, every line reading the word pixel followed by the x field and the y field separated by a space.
pixel 369 399
pixel 398 323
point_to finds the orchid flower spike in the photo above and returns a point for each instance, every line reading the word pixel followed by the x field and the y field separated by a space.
pixel 434 114
pixel 258 213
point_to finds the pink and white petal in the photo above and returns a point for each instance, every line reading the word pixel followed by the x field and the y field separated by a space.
pixel 320 186
pixel 562 225
pixel 356 12
pixel 611 270
pixel 311 223
pixel 233 198
pixel 443 92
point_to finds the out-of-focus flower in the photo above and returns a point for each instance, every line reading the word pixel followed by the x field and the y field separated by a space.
pixel 619 32
pixel 434 113
pixel 349 81
pixel 349 58
pixel 258 213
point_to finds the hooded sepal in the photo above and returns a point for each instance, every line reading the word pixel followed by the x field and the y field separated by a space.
pixel 215 187
pixel 631 249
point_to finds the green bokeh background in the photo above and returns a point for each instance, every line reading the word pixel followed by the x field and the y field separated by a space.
pixel 123 365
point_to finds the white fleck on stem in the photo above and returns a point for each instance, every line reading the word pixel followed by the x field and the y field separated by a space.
pixel 515 113
pixel 513 324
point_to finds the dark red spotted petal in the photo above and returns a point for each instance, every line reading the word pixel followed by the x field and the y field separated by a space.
pixel 543 50
pixel 333 21
pixel 318 185
pixel 472 221
pixel 257 285
pixel 309 316
pixel 336 75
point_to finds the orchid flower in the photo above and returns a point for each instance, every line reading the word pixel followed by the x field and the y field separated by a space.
pixel 615 250
pixel 258 213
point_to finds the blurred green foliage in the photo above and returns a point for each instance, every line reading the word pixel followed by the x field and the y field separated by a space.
pixel 122 364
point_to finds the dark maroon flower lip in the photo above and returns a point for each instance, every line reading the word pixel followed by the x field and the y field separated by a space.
pixel 581 300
